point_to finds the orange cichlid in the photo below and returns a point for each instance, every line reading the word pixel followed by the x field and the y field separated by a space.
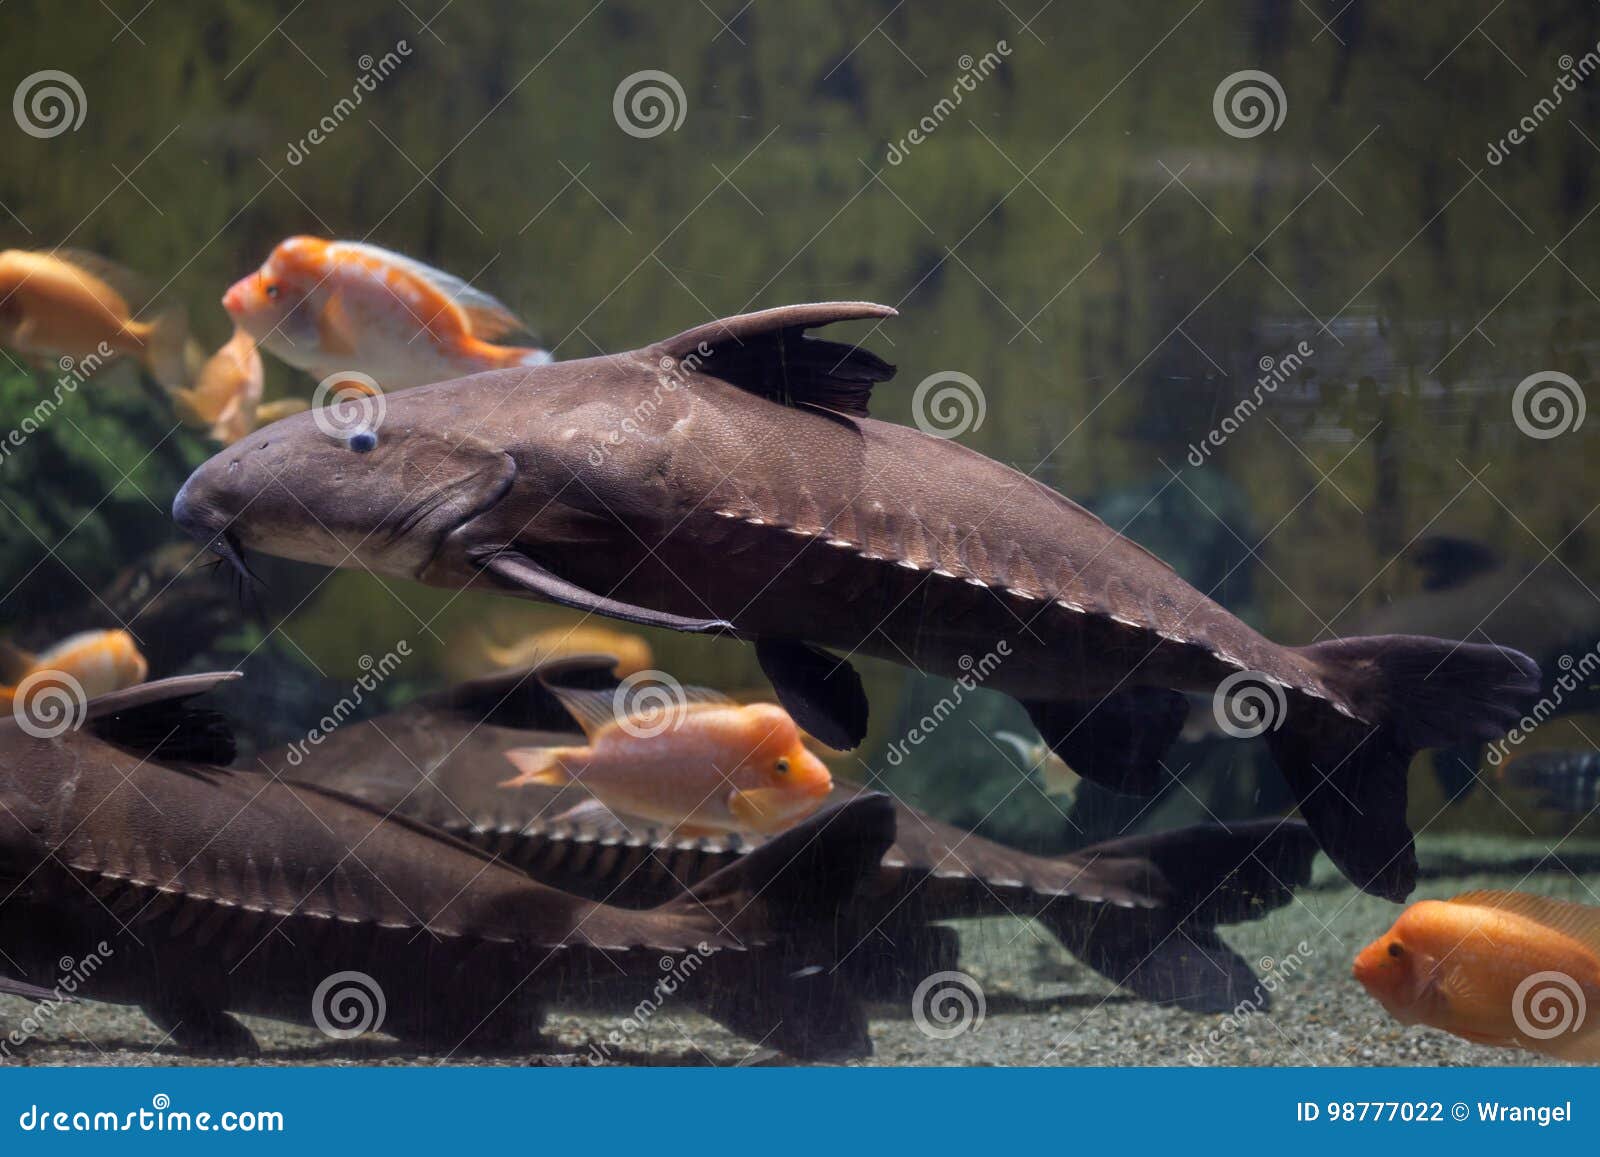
pixel 632 653
pixel 345 306
pixel 1495 968
pixel 227 394
pixel 98 661
pixel 700 763
pixel 64 303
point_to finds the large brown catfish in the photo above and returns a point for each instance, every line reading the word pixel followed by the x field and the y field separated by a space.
pixel 205 892
pixel 729 481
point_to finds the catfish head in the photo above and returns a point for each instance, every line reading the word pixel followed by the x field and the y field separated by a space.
pixel 380 491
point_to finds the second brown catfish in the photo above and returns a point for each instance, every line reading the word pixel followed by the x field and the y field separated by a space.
pixel 729 481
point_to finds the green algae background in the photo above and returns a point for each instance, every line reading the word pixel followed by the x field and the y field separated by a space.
pixel 1079 236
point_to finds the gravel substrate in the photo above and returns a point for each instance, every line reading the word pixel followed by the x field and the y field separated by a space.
pixel 1041 1006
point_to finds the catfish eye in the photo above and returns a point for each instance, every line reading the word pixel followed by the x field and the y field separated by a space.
pixel 782 765
pixel 272 290
pixel 362 441
pixel 1395 949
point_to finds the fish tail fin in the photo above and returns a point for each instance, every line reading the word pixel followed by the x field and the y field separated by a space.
pixel 1346 759
pixel 1165 947
pixel 545 766
pixel 166 348
pixel 784 903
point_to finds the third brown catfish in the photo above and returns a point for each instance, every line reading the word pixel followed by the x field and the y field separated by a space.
pixel 729 481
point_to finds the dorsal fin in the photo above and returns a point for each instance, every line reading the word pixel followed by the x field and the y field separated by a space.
pixel 134 289
pixel 487 316
pixel 1579 921
pixel 154 721
pixel 767 353
pixel 596 710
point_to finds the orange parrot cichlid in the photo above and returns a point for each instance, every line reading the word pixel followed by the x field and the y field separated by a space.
pixel 227 393
pixel 98 661
pixel 697 760
pixel 63 303
pixel 331 307
pixel 1496 968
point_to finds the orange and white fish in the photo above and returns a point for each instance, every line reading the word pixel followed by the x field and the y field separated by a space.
pixel 345 306
pixel 632 653
pixel 227 393
pixel 700 762
pixel 62 303
pixel 98 661
pixel 1495 968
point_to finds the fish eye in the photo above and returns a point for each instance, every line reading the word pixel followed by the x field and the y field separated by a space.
pixel 1395 948
pixel 362 441
pixel 782 765
pixel 272 290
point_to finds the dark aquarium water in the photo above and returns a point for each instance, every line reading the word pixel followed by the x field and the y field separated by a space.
pixel 1295 304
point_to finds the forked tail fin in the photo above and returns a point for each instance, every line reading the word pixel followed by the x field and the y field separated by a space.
pixel 785 900
pixel 1407 692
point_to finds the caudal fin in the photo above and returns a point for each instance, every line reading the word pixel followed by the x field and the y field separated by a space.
pixel 1407 692
pixel 166 349
pixel 786 901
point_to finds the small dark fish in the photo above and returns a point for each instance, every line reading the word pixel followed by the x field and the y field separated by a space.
pixel 1568 782
pixel 728 481
pixel 1143 911
pixel 224 892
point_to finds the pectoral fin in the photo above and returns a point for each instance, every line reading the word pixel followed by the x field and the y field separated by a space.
pixel 334 331
pixel 821 691
pixel 518 570
pixel 10 987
